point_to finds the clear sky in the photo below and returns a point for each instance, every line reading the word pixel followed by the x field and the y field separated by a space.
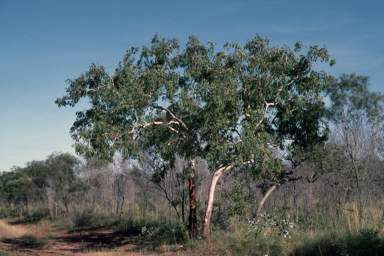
pixel 43 43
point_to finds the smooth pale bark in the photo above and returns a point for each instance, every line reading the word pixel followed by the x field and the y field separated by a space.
pixel 265 199
pixel 208 213
pixel 192 202
pixel 211 196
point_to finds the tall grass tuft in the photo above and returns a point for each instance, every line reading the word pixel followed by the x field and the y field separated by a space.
pixel 353 229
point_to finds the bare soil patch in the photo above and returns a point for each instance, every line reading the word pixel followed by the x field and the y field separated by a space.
pixel 25 238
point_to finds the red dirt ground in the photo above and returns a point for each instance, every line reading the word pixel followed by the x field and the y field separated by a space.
pixel 81 241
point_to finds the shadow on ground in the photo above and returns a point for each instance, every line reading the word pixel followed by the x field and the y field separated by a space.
pixel 79 240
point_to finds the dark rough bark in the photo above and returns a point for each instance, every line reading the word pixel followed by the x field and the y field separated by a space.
pixel 192 206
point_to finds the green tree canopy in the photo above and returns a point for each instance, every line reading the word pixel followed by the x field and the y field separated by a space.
pixel 59 173
pixel 14 186
pixel 231 107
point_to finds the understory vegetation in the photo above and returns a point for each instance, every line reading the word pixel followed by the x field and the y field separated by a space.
pixel 352 228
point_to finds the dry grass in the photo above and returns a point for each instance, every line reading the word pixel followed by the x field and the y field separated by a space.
pixel 368 217
pixel 122 252
pixel 16 232
pixel 8 231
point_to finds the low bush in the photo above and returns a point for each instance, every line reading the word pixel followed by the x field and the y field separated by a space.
pixel 35 241
pixel 134 223
pixel 365 242
pixel 38 214
pixel 165 234
pixel 270 234
pixel 92 219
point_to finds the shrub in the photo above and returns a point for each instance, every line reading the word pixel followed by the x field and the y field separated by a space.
pixel 246 240
pixel 280 224
pixel 365 242
pixel 35 241
pixel 166 234
pixel 132 224
pixel 92 219
pixel 38 214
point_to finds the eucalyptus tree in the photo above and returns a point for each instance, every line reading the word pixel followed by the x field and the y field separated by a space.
pixel 142 102
pixel 233 108
pixel 358 118
pixel 15 186
pixel 63 177
pixel 255 99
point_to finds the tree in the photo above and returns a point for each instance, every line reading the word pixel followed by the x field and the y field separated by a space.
pixel 141 99
pixel 232 108
pixel 62 177
pixel 261 97
pixel 358 117
pixel 53 180
pixel 173 187
pixel 15 185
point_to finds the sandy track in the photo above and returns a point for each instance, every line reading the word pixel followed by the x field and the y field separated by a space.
pixel 38 239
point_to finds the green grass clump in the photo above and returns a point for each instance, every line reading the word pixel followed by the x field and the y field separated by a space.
pixel 365 242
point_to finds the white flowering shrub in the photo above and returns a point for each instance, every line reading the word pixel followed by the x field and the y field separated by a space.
pixel 280 224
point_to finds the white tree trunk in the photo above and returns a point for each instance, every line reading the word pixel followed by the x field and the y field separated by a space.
pixel 211 196
pixel 265 199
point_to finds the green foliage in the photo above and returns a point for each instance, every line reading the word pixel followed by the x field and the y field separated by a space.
pixel 92 219
pixel 165 234
pixel 352 101
pixel 134 224
pixel 365 242
pixel 63 171
pixel 227 107
pixel 237 204
pixel 358 116
pixel 59 172
pixel 322 159
pixel 231 108
pixel 38 214
pixel 14 185
pixel 245 240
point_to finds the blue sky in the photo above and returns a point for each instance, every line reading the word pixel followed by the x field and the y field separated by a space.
pixel 43 43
